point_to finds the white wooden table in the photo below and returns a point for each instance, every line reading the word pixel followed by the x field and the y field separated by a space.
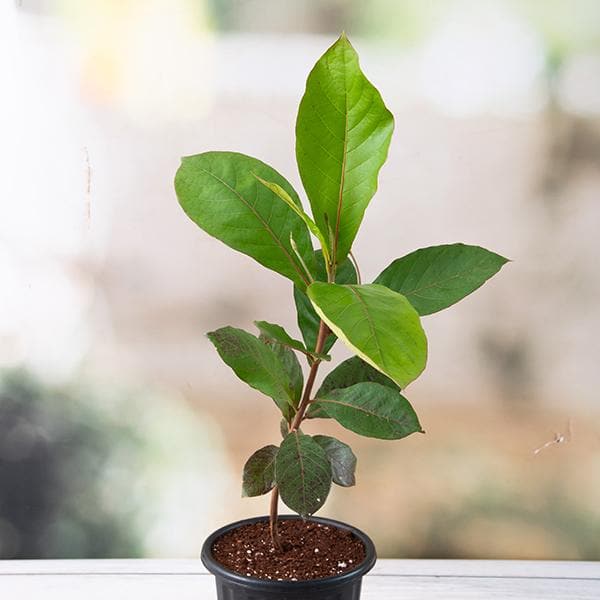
pixel 390 579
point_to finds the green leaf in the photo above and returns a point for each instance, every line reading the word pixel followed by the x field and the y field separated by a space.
pixel 343 132
pixel 377 324
pixel 259 472
pixel 278 334
pixel 372 410
pixel 290 364
pixel 434 278
pixel 308 320
pixel 351 371
pixel 220 193
pixel 341 457
pixel 302 473
pixel 312 227
pixel 257 364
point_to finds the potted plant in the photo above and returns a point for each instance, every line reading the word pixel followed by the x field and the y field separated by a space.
pixel 343 132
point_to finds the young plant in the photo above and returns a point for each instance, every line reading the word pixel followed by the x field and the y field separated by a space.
pixel 343 132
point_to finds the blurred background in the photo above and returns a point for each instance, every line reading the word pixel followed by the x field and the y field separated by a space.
pixel 123 435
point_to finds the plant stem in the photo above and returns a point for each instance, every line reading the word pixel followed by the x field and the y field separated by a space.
pixel 323 332
pixel 273 528
pixel 322 336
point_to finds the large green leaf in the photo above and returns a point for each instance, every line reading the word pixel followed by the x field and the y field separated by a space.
pixel 257 364
pixel 343 132
pixel 347 373
pixel 372 410
pixel 377 324
pixel 434 278
pixel 220 193
pixel 259 472
pixel 308 319
pixel 302 473
pixel 341 457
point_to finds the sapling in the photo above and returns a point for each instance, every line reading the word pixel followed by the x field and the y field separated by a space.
pixel 343 131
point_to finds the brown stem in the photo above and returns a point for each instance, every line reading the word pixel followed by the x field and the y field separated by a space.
pixel 273 528
pixel 322 336
pixel 323 331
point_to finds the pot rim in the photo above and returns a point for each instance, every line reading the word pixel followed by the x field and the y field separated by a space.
pixel 219 570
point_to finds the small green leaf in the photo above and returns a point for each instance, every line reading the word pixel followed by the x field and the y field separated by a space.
pixel 220 193
pixel 278 334
pixel 302 473
pixel 290 364
pixel 343 132
pixel 434 278
pixel 308 320
pixel 341 457
pixel 259 472
pixel 281 193
pixel 377 324
pixel 351 371
pixel 257 364
pixel 372 410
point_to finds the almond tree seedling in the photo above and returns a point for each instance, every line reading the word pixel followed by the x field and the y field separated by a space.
pixel 343 132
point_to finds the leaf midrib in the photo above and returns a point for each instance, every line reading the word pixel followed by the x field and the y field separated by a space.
pixel 343 167
pixel 382 357
pixel 302 476
pixel 390 420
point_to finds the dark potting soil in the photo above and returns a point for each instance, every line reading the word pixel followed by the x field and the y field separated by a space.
pixel 310 551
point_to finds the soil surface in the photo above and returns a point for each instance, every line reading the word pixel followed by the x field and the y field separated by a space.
pixel 310 551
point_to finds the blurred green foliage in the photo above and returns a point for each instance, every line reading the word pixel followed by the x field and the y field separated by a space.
pixel 479 527
pixel 56 456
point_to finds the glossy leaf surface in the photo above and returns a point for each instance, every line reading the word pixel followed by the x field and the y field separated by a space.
pixel 308 319
pixel 377 324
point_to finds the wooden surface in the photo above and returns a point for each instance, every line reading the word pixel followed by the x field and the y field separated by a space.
pixel 390 579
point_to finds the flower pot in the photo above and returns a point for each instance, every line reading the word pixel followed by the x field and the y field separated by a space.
pixel 233 586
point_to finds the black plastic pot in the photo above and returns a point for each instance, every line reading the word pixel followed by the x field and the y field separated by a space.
pixel 232 586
